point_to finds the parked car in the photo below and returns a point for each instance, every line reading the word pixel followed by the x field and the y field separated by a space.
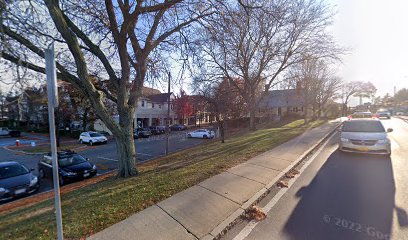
pixel 92 138
pixel 156 130
pixel 16 180
pixel 178 127
pixel 365 136
pixel 7 132
pixel 383 114
pixel 400 114
pixel 201 133
pixel 71 167
pixel 142 133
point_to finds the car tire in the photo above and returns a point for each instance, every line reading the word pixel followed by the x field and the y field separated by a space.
pixel 80 141
pixel 90 143
pixel 205 136
pixel 61 181
pixel 41 173
pixel 189 135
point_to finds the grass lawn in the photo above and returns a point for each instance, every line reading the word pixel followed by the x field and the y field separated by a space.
pixel 47 148
pixel 93 208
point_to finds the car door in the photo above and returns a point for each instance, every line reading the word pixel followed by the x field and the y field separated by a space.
pixel 46 166
pixel 200 133
pixel 87 137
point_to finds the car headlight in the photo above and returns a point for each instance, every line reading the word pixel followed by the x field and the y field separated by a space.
pixel 68 173
pixel 33 181
pixel 94 167
pixel 383 141
pixel 344 139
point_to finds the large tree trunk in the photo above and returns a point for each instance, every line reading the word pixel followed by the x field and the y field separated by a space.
pixel 126 147
pixel 84 119
pixel 252 115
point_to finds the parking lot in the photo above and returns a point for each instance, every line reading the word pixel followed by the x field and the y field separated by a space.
pixel 103 156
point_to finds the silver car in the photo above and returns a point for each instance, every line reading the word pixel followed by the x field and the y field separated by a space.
pixel 365 136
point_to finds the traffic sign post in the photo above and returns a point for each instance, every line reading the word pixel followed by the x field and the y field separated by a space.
pixel 52 93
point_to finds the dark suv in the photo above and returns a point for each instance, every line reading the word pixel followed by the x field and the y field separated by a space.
pixel 72 167
pixel 156 130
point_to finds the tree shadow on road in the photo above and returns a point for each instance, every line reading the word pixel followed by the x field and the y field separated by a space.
pixel 351 197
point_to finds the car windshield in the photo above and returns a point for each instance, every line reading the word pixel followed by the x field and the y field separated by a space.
pixel 96 135
pixel 73 160
pixel 363 126
pixel 12 171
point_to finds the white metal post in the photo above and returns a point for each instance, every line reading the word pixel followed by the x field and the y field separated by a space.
pixel 52 92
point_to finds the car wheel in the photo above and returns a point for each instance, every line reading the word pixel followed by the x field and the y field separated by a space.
pixel 189 135
pixel 41 173
pixel 90 143
pixel 61 181
pixel 205 136
pixel 80 141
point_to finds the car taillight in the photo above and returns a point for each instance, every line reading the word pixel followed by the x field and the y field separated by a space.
pixel 350 117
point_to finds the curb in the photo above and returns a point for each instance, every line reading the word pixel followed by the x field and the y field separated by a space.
pixel 230 221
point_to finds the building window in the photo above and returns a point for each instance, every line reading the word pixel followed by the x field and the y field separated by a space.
pixel 152 105
pixel 143 104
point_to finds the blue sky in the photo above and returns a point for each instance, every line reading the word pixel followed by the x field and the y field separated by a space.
pixel 377 33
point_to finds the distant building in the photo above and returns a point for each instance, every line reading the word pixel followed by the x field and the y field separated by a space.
pixel 151 110
pixel 279 103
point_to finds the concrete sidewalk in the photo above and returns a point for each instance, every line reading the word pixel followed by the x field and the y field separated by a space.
pixel 206 209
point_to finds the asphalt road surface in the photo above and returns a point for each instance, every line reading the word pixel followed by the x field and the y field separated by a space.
pixel 105 156
pixel 342 196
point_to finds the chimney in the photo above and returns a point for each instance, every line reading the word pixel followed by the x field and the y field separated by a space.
pixel 298 85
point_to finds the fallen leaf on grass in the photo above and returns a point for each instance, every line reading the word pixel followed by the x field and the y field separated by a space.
pixel 255 213
pixel 282 184
pixel 294 171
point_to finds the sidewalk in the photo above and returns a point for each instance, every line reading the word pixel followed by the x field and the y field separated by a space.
pixel 206 209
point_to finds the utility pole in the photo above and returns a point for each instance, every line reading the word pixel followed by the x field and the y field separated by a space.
pixel 395 102
pixel 52 93
pixel 168 116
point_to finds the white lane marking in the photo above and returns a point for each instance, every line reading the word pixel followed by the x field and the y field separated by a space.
pixel 252 224
pixel 110 159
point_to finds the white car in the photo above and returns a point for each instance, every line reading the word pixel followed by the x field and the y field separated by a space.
pixel 201 133
pixel 92 137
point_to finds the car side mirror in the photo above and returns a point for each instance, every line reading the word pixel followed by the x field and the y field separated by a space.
pixel 390 130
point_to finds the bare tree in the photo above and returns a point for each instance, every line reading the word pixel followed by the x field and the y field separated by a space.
pixel 317 82
pixel 259 44
pixel 118 41
pixel 356 89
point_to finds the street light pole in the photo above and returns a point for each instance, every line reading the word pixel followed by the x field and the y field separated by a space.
pixel 52 93
pixel 168 116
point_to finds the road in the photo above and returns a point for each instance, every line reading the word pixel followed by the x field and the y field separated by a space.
pixel 341 196
pixel 105 156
